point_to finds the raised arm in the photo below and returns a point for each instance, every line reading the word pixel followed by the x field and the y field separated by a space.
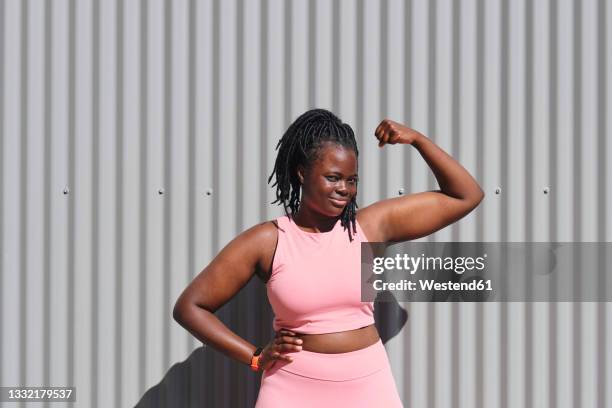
pixel 420 214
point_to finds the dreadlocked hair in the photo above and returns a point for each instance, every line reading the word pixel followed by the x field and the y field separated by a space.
pixel 301 145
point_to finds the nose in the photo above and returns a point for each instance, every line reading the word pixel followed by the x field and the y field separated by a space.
pixel 341 188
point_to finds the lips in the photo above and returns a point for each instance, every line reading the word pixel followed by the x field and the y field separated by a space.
pixel 338 202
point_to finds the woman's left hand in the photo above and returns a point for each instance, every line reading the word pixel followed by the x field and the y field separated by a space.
pixel 392 132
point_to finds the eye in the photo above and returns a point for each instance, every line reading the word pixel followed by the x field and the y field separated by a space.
pixel 332 178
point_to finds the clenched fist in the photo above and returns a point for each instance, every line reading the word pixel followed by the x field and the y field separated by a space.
pixel 392 132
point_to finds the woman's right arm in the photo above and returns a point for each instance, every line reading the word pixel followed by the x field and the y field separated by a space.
pixel 223 278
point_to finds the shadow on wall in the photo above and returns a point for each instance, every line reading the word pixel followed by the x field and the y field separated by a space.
pixel 209 378
pixel 390 317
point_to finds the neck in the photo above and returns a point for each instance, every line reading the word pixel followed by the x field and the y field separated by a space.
pixel 314 221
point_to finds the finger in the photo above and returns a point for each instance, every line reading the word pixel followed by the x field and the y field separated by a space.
pixel 383 140
pixel 379 128
pixel 280 356
pixel 290 348
pixel 377 135
pixel 290 340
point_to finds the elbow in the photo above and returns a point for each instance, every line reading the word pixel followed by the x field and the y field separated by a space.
pixel 474 200
pixel 479 197
pixel 180 310
pixel 176 312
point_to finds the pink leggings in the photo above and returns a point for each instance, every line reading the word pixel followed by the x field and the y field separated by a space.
pixel 360 378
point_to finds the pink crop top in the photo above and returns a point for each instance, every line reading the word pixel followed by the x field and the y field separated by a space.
pixel 315 285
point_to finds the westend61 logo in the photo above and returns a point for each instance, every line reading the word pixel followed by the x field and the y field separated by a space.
pixel 487 271
pixel 413 264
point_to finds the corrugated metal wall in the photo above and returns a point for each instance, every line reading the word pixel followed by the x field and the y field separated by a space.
pixel 137 137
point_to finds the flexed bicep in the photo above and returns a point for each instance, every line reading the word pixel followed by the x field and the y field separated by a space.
pixel 417 215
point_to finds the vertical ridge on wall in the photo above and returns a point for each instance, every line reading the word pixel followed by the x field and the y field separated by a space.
pixel 144 191
pixel 116 375
pixel 405 383
pixel 47 210
pixel 71 176
pixel 359 125
pixel 577 195
pixel 383 109
pixel 602 191
pixel 528 146
pixel 23 194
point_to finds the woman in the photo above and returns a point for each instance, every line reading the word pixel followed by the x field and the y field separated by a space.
pixel 326 350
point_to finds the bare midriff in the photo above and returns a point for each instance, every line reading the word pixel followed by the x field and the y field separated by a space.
pixel 340 342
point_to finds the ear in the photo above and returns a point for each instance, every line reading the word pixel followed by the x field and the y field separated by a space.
pixel 300 173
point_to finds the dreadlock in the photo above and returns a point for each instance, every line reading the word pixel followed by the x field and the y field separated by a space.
pixel 301 145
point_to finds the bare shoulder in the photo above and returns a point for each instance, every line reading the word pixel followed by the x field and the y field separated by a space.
pixel 264 236
pixel 248 254
pixel 370 219
pixel 266 230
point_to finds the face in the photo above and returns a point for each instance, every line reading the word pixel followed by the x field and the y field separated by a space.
pixel 331 182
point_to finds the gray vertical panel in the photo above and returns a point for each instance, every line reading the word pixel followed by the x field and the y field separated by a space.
pixel 589 183
pixel 168 188
pixel 603 372
pixel 251 148
pixel 179 171
pixel 34 203
pixel 203 120
pixel 538 356
pixel 238 307
pixel 23 193
pixel 299 60
pixel 57 107
pixel 227 166
pixel 199 386
pixel 383 86
pixel 323 54
pixel 491 17
pixel 144 192
pixel 84 262
pixel 71 159
pixel 275 119
pixel 347 69
pixel 130 78
pixel 600 376
pixel 96 233
pixel 46 215
pixel 108 164
pixel 117 375
pixel 154 256
pixel 370 153
pixel 12 318
pixel 251 138
pixel 577 199
pixel 417 347
pixel 442 105
pixel 394 32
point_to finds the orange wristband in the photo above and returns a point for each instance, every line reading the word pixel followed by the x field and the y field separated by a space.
pixel 255 359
